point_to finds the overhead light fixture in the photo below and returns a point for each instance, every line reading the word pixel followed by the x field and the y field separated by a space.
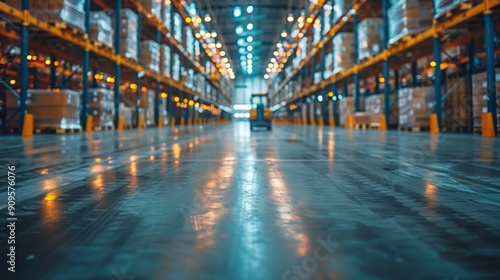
pixel 208 18
pixel 239 29
pixel 249 55
pixel 222 53
pixel 249 48
pixel 284 34
pixel 309 20
pixel 250 26
pixel 225 59
pixel 218 45
pixel 300 19
pixel 249 39
pixel 276 53
pixel 279 45
pixel 250 9
pixel 237 11
pixel 228 65
pixel 266 76
pixel 270 65
pixel 290 18
pixel 214 34
pixel 249 62
pixel 273 60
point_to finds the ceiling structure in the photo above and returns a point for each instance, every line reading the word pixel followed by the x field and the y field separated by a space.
pixel 249 29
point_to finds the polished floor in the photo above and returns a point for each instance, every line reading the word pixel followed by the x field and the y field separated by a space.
pixel 220 202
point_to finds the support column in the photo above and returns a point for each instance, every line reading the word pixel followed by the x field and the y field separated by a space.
pixel 438 79
pixel 85 75
pixel 470 88
pixel 23 73
pixel 157 87
pixel 52 73
pixel 138 75
pixel 489 35
pixel 387 76
pixel 414 74
pixel 334 103
pixel 118 7
pixel 357 93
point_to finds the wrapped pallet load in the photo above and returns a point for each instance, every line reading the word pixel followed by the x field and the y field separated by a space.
pixel 176 67
pixel 101 29
pixel 341 8
pixel 408 17
pixel 69 12
pixel 346 107
pixel 165 60
pixel 101 107
pixel 343 52
pixel 166 10
pixel 415 106
pixel 126 113
pixel 150 55
pixel 128 33
pixel 52 109
pixel 153 7
pixel 443 6
pixel 327 16
pixel 188 40
pixel 374 105
pixel 147 105
pixel 369 37
pixel 480 97
pixel 177 27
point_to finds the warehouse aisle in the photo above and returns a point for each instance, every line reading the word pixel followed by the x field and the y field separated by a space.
pixel 219 202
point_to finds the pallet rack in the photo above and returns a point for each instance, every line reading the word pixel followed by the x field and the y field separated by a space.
pixel 393 57
pixel 122 69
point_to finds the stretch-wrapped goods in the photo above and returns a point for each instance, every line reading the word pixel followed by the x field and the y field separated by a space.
pixel 340 8
pixel 374 106
pixel 101 106
pixel 480 97
pixel 327 16
pixel 166 10
pixel 150 55
pixel 126 113
pixel 147 106
pixel 101 29
pixel 128 32
pixel 177 27
pixel 165 60
pixel 346 107
pixel 71 12
pixel 443 6
pixel 176 67
pixel 153 7
pixel 409 17
pixel 343 52
pixel 52 109
pixel 415 106
pixel 369 37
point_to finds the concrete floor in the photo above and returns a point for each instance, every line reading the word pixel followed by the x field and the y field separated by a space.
pixel 219 202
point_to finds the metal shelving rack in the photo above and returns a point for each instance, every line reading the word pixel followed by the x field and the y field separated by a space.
pixel 386 61
pixel 20 33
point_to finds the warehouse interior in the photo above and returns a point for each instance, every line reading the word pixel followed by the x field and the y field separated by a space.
pixel 130 147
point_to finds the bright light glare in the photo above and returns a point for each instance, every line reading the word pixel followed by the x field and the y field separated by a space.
pixel 249 9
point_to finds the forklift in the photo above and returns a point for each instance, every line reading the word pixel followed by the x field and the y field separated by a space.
pixel 260 114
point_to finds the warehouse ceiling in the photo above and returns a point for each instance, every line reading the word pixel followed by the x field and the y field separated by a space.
pixel 249 29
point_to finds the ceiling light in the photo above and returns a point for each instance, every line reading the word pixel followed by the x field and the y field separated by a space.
pixel 225 59
pixel 284 34
pixel 239 29
pixel 208 18
pixel 266 76
pixel 270 65
pixel 300 19
pixel 228 65
pixel 218 45
pixel 279 45
pixel 249 26
pixel 214 34
pixel 276 53
pixel 250 55
pixel 249 39
pixel 249 62
pixel 273 60
pixel 309 20
pixel 222 53
pixel 249 48
pixel 237 11
pixel 250 9
pixel 290 18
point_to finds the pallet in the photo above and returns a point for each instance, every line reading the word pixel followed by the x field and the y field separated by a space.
pixel 106 48
pixel 104 128
pixel 413 128
pixel 453 11
pixel 374 126
pixel 73 30
pixel 361 126
pixel 57 130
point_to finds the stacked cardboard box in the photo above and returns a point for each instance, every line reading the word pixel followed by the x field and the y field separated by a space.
pixel 341 8
pixel 101 107
pixel 369 37
pixel 128 33
pixel 328 64
pixel 150 55
pixel 71 12
pixel 165 60
pixel 327 16
pixel 480 98
pixel 409 17
pixel 188 41
pixel 456 105
pixel 343 52
pixel 153 7
pixel 415 106
pixel 126 113
pixel 176 67
pixel 443 6
pixel 177 27
pixel 100 28
pixel 52 109
pixel 147 106
pixel 346 107
pixel 374 105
